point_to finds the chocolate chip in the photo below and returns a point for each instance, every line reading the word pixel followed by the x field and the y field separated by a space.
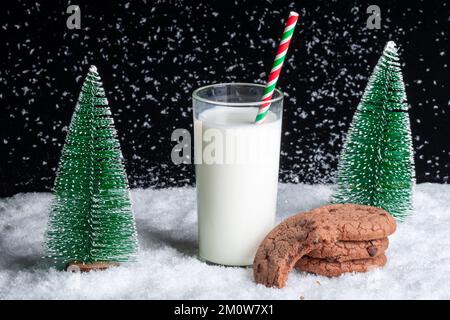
pixel 372 251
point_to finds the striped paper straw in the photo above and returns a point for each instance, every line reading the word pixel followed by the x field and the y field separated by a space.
pixel 276 67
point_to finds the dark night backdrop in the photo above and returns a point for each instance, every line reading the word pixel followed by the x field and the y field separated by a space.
pixel 152 54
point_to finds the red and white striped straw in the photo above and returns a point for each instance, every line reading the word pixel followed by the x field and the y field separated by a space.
pixel 276 67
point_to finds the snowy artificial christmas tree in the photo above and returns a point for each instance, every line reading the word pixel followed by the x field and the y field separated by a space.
pixel 376 166
pixel 91 221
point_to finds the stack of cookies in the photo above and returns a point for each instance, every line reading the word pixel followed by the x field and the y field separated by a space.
pixel 329 241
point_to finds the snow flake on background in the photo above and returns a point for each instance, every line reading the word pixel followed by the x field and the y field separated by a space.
pixel 152 55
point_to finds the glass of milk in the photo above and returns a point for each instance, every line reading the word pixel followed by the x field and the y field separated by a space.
pixel 237 164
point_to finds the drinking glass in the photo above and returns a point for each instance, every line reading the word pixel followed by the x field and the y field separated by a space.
pixel 237 164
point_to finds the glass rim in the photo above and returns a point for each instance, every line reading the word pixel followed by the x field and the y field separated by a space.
pixel 195 95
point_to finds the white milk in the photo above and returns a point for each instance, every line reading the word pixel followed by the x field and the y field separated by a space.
pixel 237 186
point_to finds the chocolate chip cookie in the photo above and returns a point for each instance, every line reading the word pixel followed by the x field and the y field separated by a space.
pixel 340 251
pixel 334 269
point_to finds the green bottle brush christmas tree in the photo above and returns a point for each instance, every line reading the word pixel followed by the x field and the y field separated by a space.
pixel 91 220
pixel 376 166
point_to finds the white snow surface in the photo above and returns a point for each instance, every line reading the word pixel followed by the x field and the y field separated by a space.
pixel 418 256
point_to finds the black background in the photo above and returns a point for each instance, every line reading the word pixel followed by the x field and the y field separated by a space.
pixel 152 54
